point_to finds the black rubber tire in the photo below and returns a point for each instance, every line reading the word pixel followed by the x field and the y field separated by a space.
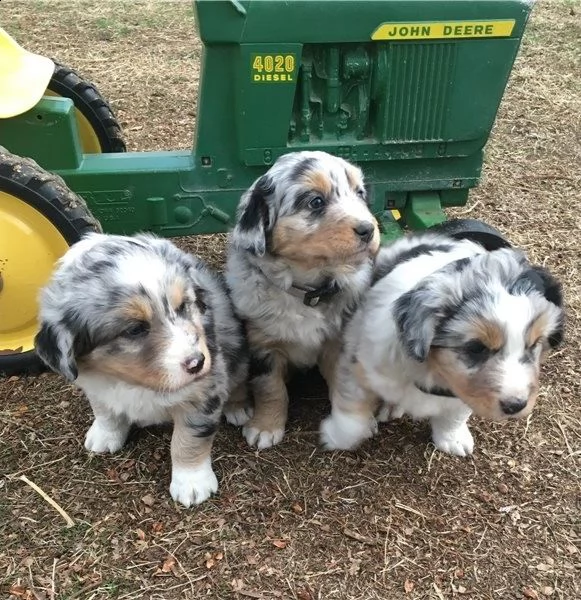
pixel 86 97
pixel 49 195
pixel 474 230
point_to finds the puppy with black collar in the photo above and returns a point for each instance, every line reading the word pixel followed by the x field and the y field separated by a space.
pixel 149 334
pixel 447 329
pixel 300 258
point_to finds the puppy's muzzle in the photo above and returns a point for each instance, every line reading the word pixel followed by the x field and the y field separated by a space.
pixel 364 230
pixel 512 406
pixel 194 363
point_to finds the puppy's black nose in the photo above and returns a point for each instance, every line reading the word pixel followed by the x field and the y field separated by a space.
pixel 194 363
pixel 512 406
pixel 364 230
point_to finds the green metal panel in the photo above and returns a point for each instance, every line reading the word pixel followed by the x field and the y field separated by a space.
pixel 48 133
pixel 414 108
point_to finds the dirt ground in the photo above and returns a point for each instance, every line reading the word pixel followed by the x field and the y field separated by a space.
pixel 394 520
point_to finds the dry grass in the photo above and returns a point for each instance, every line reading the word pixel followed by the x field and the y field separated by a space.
pixel 392 521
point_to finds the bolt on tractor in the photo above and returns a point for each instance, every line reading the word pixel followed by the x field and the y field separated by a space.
pixel 407 89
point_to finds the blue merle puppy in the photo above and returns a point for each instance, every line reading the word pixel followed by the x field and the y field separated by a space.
pixel 447 329
pixel 149 334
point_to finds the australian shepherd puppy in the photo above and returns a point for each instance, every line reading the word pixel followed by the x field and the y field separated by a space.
pixel 447 329
pixel 300 258
pixel 149 334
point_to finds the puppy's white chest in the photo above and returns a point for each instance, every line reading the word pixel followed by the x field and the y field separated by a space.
pixel 140 405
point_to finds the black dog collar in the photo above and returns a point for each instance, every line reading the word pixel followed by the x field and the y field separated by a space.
pixel 313 296
pixel 435 391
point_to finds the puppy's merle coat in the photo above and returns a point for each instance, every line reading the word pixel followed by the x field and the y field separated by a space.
pixel 446 330
pixel 149 334
pixel 300 256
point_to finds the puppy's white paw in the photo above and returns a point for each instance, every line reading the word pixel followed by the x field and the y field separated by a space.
pixel 192 486
pixel 458 442
pixel 238 415
pixel 101 439
pixel 341 431
pixel 262 439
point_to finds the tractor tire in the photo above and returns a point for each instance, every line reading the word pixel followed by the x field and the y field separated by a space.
pixel 40 218
pixel 99 130
pixel 473 230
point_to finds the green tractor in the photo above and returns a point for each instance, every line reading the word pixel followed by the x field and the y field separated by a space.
pixel 407 89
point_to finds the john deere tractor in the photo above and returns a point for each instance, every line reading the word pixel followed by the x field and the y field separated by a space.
pixel 408 89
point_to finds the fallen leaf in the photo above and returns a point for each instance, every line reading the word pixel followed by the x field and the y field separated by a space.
pixel 168 564
pixel 157 527
pixel 17 590
pixel 112 474
pixel 529 592
pixel 543 567
pixel 140 534
pixel 148 500
pixel 572 549
pixel 297 508
pixel 503 488
pixel 219 555
pixel 210 563
pixel 279 543
pixel 304 594
pixel 408 586
pixel 547 590
pixel 459 573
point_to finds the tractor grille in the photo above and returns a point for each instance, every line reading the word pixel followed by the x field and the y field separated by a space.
pixel 419 77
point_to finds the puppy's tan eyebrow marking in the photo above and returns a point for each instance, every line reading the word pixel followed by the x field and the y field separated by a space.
pixel 353 178
pixel 137 308
pixel 536 329
pixel 489 333
pixel 318 181
pixel 176 293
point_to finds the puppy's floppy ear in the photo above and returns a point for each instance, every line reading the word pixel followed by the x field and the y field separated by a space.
pixel 254 217
pixel 540 280
pixel 54 346
pixel 417 314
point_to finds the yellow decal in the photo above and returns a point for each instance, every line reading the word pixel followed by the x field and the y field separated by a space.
pixel 273 68
pixel 444 30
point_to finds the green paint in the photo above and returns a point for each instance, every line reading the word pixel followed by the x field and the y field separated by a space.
pixel 414 114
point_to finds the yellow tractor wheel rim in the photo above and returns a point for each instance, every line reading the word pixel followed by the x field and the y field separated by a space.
pixel 90 143
pixel 29 247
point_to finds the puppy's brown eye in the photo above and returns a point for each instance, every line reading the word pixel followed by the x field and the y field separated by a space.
pixel 476 350
pixel 182 308
pixel 316 203
pixel 361 193
pixel 136 330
